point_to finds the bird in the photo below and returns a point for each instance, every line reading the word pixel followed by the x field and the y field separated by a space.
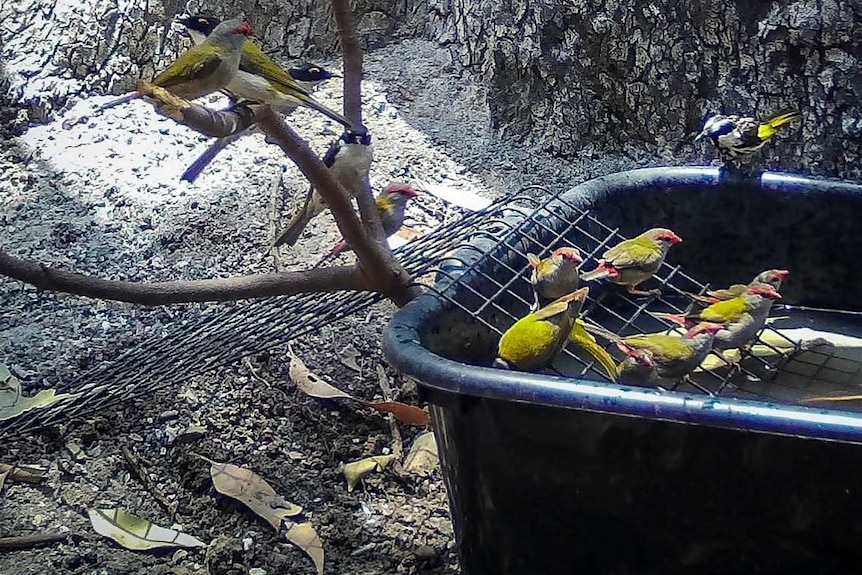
pixel 202 69
pixel 773 277
pixel 307 74
pixel 555 275
pixel 391 203
pixel 349 159
pixel 739 136
pixel 741 317
pixel 674 357
pixel 259 78
pixel 637 367
pixel 634 261
pixel 584 340
pixel 533 341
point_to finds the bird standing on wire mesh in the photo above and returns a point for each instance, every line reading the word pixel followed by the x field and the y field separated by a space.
pixel 738 136
pixel 772 277
pixel 203 69
pixel 535 339
pixel 349 160
pixel 555 275
pixel 741 317
pixel 637 367
pixel 634 261
pixel 391 203
pixel 259 78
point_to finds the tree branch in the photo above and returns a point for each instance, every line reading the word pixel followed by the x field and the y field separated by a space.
pixel 352 54
pixel 213 123
pixel 182 291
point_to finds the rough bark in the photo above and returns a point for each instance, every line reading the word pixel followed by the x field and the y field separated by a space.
pixel 636 76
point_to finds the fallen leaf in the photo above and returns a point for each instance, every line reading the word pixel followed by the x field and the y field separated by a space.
pixel 356 470
pixel 3 480
pixel 409 414
pixel 422 458
pixel 136 533
pixel 250 488
pixel 348 356
pixel 310 383
pixel 305 537
pixel 408 233
pixel 13 404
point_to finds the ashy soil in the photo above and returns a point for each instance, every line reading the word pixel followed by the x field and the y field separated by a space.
pixel 100 194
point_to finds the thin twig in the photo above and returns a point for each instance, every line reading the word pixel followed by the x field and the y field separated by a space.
pixel 352 54
pixel 214 123
pixel 144 477
pixel 274 194
pixel 26 474
pixel 30 541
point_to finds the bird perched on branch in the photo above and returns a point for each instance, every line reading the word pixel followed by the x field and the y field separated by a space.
pixel 259 78
pixel 349 159
pixel 535 339
pixel 309 75
pixel 772 277
pixel 634 261
pixel 203 69
pixel 741 317
pixel 391 203
pixel 739 136
pixel 555 275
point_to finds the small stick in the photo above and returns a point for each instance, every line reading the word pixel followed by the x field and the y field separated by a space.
pixel 26 474
pixel 397 443
pixel 274 194
pixel 150 485
pixel 30 541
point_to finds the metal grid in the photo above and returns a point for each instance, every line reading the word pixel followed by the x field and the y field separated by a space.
pixel 486 248
pixel 496 292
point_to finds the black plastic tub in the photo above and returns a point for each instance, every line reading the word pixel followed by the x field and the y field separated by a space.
pixel 563 472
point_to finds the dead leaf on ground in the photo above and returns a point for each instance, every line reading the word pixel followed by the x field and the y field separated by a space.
pixel 347 356
pixel 408 233
pixel 136 533
pixel 250 488
pixel 23 473
pixel 13 404
pixel 409 414
pixel 422 458
pixel 309 382
pixel 356 470
pixel 305 537
pixel 3 480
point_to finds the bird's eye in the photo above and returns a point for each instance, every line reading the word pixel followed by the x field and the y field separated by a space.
pixel 314 70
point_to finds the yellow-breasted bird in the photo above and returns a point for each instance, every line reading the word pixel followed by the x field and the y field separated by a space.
pixel 203 69
pixel 555 275
pixel 773 277
pixel 634 261
pixel 741 318
pixel 535 339
pixel 259 78
pixel 742 135
pixel 349 159
pixel 307 74
pixel 391 203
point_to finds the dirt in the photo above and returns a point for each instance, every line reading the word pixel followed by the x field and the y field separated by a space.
pixel 84 212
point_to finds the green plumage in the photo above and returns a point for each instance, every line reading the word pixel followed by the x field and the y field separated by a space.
pixel 722 311
pixel 255 61
pixel 666 347
pixel 634 253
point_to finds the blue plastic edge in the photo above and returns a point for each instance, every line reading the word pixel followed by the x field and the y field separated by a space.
pixel 402 347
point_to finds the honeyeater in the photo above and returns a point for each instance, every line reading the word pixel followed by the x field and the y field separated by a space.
pixel 738 136
pixel 259 78
pixel 634 261
pixel 535 339
pixel 349 159
pixel 555 275
pixel 203 69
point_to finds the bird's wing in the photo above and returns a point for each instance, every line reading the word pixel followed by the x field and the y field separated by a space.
pixel 331 152
pixel 662 346
pixel 255 61
pixel 191 65
pixel 748 129
pixel 733 291
pixel 723 311
pixel 634 253
pixel 551 310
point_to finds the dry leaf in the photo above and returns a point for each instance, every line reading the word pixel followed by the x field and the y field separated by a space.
pixel 309 382
pixel 3 480
pixel 305 537
pixel 250 488
pixel 408 233
pixel 409 414
pixel 348 356
pixel 12 404
pixel 356 470
pixel 136 533
pixel 423 458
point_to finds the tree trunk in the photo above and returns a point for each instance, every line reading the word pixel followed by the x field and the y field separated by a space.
pixel 637 77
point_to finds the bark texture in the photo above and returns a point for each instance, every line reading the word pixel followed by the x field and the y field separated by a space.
pixel 634 75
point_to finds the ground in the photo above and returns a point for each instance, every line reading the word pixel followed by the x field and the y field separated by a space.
pixel 100 194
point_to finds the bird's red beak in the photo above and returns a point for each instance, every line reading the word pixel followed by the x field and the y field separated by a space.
pixel 781 274
pixel 245 28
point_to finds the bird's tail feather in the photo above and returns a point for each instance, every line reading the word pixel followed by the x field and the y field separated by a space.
pixel 677 318
pixel 769 128
pixel 596 274
pixel 586 341
pixel 202 161
pixel 328 112
pixel 120 100
pixel 297 223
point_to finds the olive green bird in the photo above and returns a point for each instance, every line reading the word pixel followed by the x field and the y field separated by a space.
pixel 534 340
pixel 203 69
pixel 634 261
pixel 772 277
pixel 555 275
